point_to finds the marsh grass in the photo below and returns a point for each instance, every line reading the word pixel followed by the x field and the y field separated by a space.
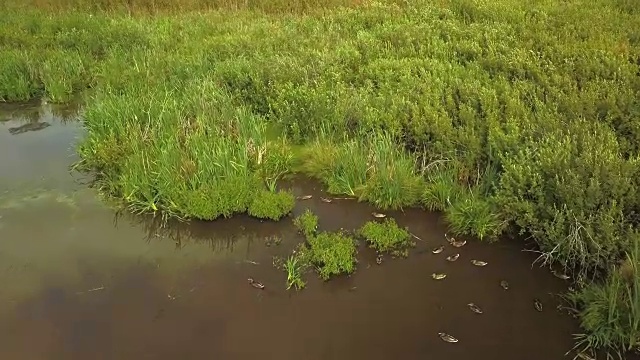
pixel 386 236
pixel 374 169
pixel 16 80
pixel 609 311
pixel 471 214
pixel 296 265
pixel 441 189
pixel 190 154
pixel 294 273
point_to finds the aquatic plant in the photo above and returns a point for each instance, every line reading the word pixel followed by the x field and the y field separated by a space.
pixel 333 253
pixel 295 266
pixel 307 223
pixel 271 205
pixel 386 236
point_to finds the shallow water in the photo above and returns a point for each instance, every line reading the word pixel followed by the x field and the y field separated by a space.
pixel 80 282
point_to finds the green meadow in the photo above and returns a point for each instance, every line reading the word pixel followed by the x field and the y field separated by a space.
pixel 512 118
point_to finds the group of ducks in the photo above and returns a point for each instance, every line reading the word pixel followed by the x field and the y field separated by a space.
pixel 473 307
pixel 436 276
pixel 455 257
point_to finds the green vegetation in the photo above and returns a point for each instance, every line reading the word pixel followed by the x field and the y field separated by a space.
pixel 295 266
pixel 506 115
pixel 271 205
pixel 307 223
pixel 610 312
pixel 331 253
pixel 373 168
pixel 386 236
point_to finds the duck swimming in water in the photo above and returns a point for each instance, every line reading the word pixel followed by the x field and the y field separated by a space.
pixel 453 257
pixel 474 308
pixel 256 284
pixel 448 338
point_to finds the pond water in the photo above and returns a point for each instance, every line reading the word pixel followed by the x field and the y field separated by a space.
pixel 81 282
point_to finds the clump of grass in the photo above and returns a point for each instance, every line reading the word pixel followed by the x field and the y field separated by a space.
pixel 609 312
pixel 271 205
pixel 470 214
pixel 63 75
pixel 376 170
pixel 275 160
pixel 296 265
pixel 333 253
pixel 191 153
pixel 441 189
pixel 307 223
pixel 294 273
pixel 386 236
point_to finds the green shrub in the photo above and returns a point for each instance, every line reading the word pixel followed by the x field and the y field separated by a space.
pixel 571 191
pixel 271 205
pixel 385 236
pixel 333 254
pixel 307 223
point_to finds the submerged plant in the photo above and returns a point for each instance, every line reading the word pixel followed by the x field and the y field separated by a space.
pixel 386 236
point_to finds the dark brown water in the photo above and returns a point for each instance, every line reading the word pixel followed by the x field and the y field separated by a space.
pixel 79 282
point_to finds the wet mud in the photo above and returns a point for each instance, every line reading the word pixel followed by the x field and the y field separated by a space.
pixel 80 281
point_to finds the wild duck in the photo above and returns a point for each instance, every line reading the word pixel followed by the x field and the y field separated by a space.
pixel 453 257
pixel 448 338
pixel 256 284
pixel 479 263
pixel 438 276
pixel 474 308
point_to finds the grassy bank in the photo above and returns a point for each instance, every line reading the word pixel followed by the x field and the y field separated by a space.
pixel 510 117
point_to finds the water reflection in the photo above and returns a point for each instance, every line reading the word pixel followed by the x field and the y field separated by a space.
pixel 37 111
